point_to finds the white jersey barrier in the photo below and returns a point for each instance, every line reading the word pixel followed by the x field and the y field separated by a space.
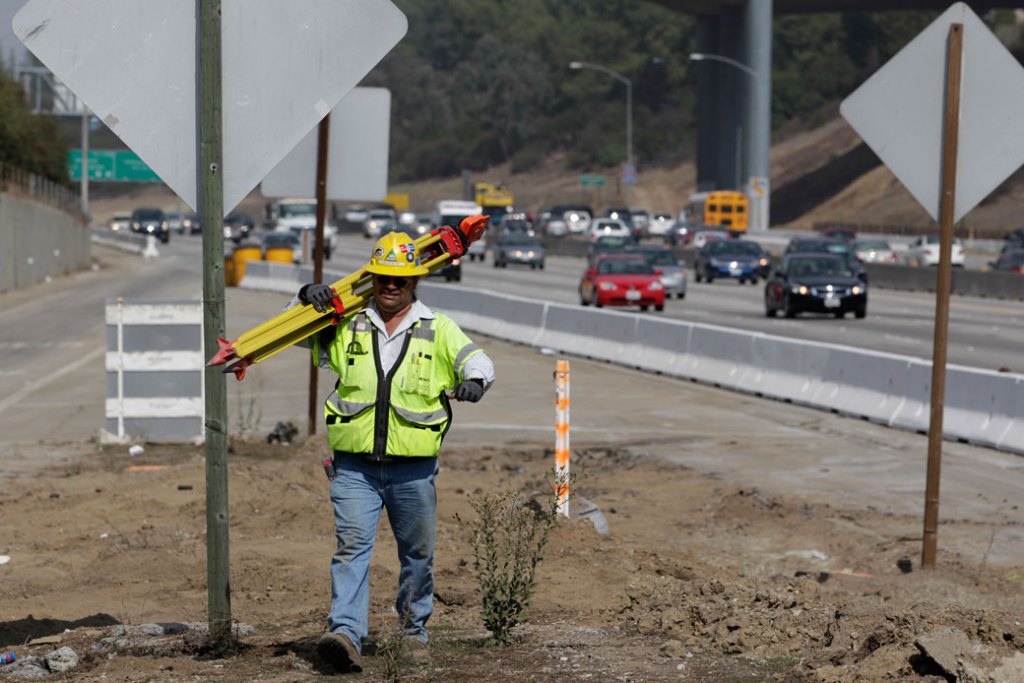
pixel 982 407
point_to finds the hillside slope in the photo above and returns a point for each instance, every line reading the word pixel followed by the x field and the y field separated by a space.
pixel 798 162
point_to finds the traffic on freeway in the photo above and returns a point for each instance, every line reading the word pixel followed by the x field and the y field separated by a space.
pixel 983 333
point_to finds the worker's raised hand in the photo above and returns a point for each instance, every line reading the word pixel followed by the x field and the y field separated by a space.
pixel 318 296
pixel 471 390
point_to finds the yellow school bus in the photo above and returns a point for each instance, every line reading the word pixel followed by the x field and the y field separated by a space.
pixel 725 208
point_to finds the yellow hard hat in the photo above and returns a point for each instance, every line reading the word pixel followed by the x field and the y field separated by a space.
pixel 395 254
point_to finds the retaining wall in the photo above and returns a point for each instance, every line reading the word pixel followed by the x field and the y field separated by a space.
pixel 38 242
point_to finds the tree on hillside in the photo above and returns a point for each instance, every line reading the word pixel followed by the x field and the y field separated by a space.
pixel 27 141
pixel 482 82
pixel 477 83
pixel 820 59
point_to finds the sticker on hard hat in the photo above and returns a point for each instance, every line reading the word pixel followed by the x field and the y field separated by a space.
pixel 378 252
pixel 390 256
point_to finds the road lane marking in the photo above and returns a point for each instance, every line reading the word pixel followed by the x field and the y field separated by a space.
pixel 1010 308
pixel 28 389
pixel 14 345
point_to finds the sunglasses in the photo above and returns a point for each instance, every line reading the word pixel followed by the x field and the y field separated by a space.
pixel 386 280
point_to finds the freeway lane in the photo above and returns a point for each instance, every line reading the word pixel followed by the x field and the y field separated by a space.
pixel 51 344
pixel 53 335
pixel 983 333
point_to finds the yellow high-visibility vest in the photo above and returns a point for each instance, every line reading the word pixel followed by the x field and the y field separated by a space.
pixel 434 353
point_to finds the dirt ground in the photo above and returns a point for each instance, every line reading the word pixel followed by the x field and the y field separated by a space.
pixel 696 579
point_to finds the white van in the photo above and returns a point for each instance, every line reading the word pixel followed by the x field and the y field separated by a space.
pixel 297 215
pixel 451 212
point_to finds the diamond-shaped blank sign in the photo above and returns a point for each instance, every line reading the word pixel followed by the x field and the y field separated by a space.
pixel 899 113
pixel 285 64
pixel 357 153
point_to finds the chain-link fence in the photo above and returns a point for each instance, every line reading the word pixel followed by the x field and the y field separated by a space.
pixel 19 181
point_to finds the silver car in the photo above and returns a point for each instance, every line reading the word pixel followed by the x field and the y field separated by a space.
pixel 673 273
pixel 874 251
pixel 518 248
pixel 379 222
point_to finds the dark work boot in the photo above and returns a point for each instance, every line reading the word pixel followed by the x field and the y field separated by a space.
pixel 338 650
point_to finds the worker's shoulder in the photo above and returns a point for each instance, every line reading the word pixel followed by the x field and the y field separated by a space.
pixel 437 318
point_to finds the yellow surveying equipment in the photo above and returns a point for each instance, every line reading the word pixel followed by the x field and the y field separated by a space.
pixel 352 293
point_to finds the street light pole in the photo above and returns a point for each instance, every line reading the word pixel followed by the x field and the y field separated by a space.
pixel 630 165
pixel 758 130
pixel 700 56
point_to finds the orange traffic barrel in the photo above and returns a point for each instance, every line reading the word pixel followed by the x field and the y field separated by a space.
pixel 230 272
pixel 280 254
pixel 243 253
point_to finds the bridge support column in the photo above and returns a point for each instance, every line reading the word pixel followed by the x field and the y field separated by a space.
pixel 757 39
pixel 734 104
pixel 720 90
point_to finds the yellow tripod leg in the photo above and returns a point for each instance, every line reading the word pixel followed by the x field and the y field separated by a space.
pixel 353 292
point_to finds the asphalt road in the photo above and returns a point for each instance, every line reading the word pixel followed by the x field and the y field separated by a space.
pixel 52 343
pixel 983 333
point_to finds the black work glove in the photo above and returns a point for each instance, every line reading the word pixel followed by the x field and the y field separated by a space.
pixel 471 390
pixel 317 295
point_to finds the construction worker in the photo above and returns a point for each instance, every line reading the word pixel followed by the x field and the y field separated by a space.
pixel 396 362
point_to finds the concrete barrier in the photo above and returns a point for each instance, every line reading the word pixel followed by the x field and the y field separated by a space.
pixel 982 407
pixel 604 335
pixel 721 356
pixel 1009 404
pixel 511 317
pixel 665 345
pixel 131 242
pixel 787 369
pixel 863 384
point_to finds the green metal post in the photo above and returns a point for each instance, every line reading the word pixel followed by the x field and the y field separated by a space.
pixel 210 187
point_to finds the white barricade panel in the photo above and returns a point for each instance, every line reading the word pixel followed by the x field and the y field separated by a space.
pixel 154 364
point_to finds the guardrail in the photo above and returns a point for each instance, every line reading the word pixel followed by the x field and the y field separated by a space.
pixel 982 407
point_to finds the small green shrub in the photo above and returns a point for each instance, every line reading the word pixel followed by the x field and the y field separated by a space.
pixel 508 537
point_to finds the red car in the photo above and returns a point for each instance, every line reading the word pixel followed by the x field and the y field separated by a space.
pixel 622 280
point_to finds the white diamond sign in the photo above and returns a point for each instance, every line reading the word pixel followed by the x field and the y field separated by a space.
pixel 899 113
pixel 285 65
pixel 357 154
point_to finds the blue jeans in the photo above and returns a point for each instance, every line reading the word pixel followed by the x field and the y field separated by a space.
pixel 358 492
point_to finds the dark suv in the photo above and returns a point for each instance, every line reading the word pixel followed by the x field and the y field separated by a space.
pixel 151 222
pixel 823 245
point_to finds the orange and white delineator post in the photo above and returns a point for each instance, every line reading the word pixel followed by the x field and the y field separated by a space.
pixel 562 436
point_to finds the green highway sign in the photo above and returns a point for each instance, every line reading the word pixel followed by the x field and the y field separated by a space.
pixel 114 165
pixel 592 181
